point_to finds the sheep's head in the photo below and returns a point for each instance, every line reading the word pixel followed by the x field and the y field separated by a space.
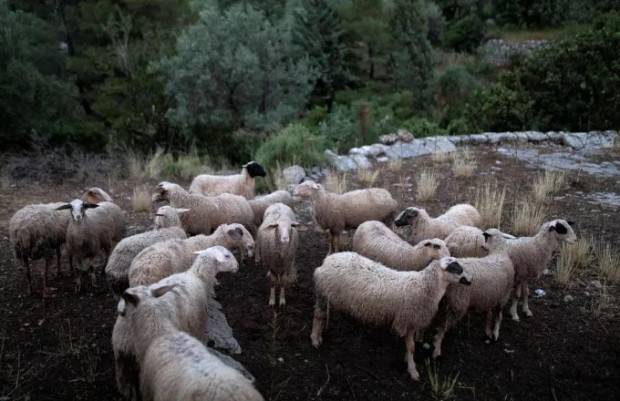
pixel 284 229
pixel 407 216
pixel 96 195
pixel 495 239
pixel 254 169
pixel 435 248
pixel 307 189
pixel 219 256
pixel 563 230
pixel 78 208
pixel 162 192
pixel 452 271
pixel 167 216
pixel 239 236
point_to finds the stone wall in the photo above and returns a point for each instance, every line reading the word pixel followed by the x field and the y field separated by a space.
pixel 498 52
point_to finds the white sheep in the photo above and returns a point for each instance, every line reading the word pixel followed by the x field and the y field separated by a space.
pixel 174 256
pixel 469 242
pixel 36 232
pixel 376 241
pixel 334 212
pixel 168 226
pixel 261 203
pixel 492 283
pixel 238 184
pixel 206 213
pixel 188 302
pixel 89 233
pixel 96 195
pixel 423 226
pixel 376 294
pixel 276 244
pixel 530 256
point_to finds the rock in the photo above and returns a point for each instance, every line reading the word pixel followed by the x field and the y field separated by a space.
pixel 440 144
pixel 383 159
pixel 361 161
pixel 407 150
pixel 478 139
pixel 218 330
pixel 405 136
pixel 596 284
pixel 458 139
pixel 369 150
pixel 388 139
pixel 569 298
pixel 536 136
pixel 341 163
pixel 576 140
pixel 293 174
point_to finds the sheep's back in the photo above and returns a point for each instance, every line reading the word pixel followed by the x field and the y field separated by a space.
pixel 376 241
pixel 529 257
pixel 466 241
pixel 461 215
pixel 366 204
pixel 156 262
pixel 32 231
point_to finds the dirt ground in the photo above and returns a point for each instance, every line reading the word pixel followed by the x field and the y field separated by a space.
pixel 566 351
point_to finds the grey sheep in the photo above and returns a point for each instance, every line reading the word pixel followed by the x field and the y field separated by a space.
pixel 376 241
pixel 260 204
pixel 334 212
pixel 239 184
pixel 375 294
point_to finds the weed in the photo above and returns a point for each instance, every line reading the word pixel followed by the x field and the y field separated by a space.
pixel 367 176
pixel 546 184
pixel 441 157
pixel 395 165
pixel 574 257
pixel 6 179
pixel 427 185
pixel 609 262
pixel 274 180
pixel 527 217
pixel 442 388
pixel 141 199
pixel 489 200
pixel 336 182
pixel 464 163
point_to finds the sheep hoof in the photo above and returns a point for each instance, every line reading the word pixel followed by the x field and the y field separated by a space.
pixel 528 313
pixel 515 318
pixel 415 375
pixel 316 341
pixel 93 281
pixel 282 302
pixel 490 340
pixel 272 303
pixel 436 354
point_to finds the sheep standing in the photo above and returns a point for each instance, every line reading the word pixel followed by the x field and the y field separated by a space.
pixel 277 241
pixel 169 227
pixel 206 213
pixel 96 195
pixel 90 233
pixel 36 232
pixel 162 259
pixel 260 204
pixel 423 226
pixel 492 282
pixel 238 184
pixel 376 241
pixel 530 256
pixel 188 304
pixel 335 212
pixel 376 294
pixel 469 242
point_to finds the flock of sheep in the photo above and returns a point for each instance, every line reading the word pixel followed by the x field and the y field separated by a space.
pixel 164 277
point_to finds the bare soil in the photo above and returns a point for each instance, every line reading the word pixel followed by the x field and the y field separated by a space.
pixel 566 351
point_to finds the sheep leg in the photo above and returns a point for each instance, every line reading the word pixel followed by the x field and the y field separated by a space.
pixel 499 314
pixel 28 277
pixel 272 288
pixel 410 343
pixel 515 301
pixel 93 272
pixel 46 290
pixel 525 292
pixel 318 324
pixel 78 278
pixel 283 282
pixel 438 338
pixel 488 331
pixel 58 262
pixel 335 241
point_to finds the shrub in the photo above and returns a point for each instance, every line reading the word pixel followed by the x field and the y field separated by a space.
pixel 420 127
pixel 465 34
pixel 295 144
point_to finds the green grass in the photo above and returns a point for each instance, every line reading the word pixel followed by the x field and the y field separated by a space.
pixel 518 35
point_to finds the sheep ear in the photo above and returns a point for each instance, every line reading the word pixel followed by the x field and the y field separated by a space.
pixel 428 243
pixel 235 233
pixel 270 227
pixel 454 267
pixel 158 292
pixel 181 211
pixel 486 236
pixel 570 222
pixel 131 298
pixel 551 228
pixel 298 226
pixel 561 228
pixel 90 205
pixel 436 246
pixel 63 207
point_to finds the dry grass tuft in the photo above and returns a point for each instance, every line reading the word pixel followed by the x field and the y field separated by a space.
pixel 463 163
pixel 574 257
pixel 275 178
pixel 489 201
pixel 336 182
pixel 442 387
pixel 141 199
pixel 6 179
pixel 427 185
pixel 441 157
pixel 608 262
pixel 367 176
pixel 188 165
pixel 546 184
pixel 395 165
pixel 527 217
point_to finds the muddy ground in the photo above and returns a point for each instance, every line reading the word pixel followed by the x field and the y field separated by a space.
pixel 567 351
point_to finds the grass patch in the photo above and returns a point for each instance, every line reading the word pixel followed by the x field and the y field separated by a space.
pixel 489 200
pixel 336 182
pixel 442 387
pixel 441 157
pixel 367 176
pixel 527 217
pixel 141 199
pixel 6 177
pixel 427 185
pixel 519 35
pixel 463 163
pixel 395 165
pixel 274 180
pixel 609 262
pixel 546 184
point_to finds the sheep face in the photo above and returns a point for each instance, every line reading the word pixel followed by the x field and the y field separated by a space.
pixel 453 271
pixel 219 256
pixel 137 302
pixel 254 169
pixel 284 230
pixel 307 189
pixel 78 209
pixel 96 195
pixel 563 231
pixel 495 239
pixel 167 216
pixel 162 192
pixel 238 234
pixel 436 248
pixel 407 217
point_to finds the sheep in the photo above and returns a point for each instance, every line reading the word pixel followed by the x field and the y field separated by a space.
pixel 206 213
pixel 423 226
pixel 238 184
pixel 174 256
pixel 96 195
pixel 468 242
pixel 35 232
pixel 260 204
pixel 90 233
pixel 188 301
pixel 276 243
pixel 335 212
pixel 376 294
pixel 492 282
pixel 169 227
pixel 376 241
pixel 530 256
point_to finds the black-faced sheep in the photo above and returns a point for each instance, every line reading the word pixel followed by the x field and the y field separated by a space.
pixel 423 226
pixel 238 184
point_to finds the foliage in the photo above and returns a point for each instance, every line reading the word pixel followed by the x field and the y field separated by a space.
pixel 295 144
pixel 435 20
pixel 465 34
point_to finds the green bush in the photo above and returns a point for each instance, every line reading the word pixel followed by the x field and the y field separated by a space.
pixel 340 129
pixel 421 127
pixel 295 144
pixel 464 34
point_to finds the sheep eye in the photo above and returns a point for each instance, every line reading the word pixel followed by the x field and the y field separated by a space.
pixel 436 246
